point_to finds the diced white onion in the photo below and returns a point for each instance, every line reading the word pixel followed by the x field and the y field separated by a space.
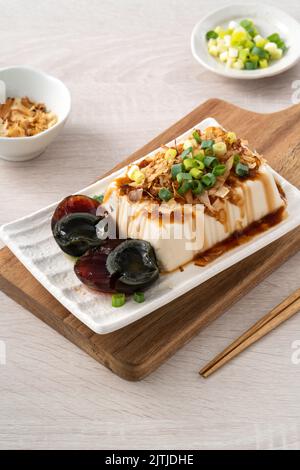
pixel 257 38
pixel 239 65
pixel 270 47
pixel 233 52
pixel 233 25
pixel 224 56
pixel 227 40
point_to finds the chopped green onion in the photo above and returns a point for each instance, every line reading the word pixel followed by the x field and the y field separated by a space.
pixel 246 24
pixel 277 40
pixel 183 176
pixel 249 44
pixel 139 297
pixel 199 155
pixel 254 58
pixel 263 63
pixel 177 168
pixel 250 65
pixel 170 154
pixel 281 45
pixel 208 180
pixel 118 300
pixel 260 52
pixel 244 54
pixel 200 164
pixel 189 163
pixel 252 31
pixel 242 47
pixel 249 27
pixel 236 158
pixel 274 37
pixel 210 162
pixel 219 148
pixel 219 170
pixel 197 137
pixel 136 175
pixel 196 173
pixel 206 144
pixel 99 198
pixel 165 194
pixel 186 152
pixel 209 152
pixel 211 35
pixel 242 169
pixel 197 187
pixel 186 185
pixel 231 137
pixel 238 37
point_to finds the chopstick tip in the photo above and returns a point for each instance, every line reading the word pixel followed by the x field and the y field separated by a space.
pixel 203 373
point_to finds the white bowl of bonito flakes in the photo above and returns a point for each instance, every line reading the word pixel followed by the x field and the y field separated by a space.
pixel 34 107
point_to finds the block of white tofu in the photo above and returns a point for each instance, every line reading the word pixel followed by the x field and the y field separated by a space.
pixel 180 232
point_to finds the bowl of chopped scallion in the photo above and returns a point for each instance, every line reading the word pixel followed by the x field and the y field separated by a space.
pixel 247 41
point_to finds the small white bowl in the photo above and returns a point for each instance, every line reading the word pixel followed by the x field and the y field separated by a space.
pixel 267 18
pixel 38 86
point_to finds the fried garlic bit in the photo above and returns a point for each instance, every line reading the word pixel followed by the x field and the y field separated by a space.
pixel 21 117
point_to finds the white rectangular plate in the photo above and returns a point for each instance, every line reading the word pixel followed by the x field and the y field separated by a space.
pixel 31 240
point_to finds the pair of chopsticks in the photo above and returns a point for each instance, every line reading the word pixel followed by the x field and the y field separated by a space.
pixel 269 322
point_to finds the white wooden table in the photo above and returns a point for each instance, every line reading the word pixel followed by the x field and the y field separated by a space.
pixel 129 67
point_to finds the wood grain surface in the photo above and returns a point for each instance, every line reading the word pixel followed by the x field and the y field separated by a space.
pixel 131 74
pixel 136 350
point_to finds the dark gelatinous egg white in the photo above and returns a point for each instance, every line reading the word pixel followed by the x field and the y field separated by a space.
pixel 74 203
pixel 76 233
pixel 118 266
pixel 107 265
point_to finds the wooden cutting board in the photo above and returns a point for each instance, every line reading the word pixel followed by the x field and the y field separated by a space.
pixel 136 350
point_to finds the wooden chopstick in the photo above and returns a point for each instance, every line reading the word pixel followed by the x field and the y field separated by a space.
pixel 269 322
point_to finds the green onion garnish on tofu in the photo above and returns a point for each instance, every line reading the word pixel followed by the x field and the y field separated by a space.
pixel 196 173
pixel 208 180
pixel 199 155
pixel 189 163
pixel 219 170
pixel 207 144
pixel 177 168
pixel 186 152
pixel 197 137
pixel 197 187
pixel 183 176
pixel 165 194
pixel 242 169
pixel 210 162
pixel 236 158
pixel 220 149
pixel 186 185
